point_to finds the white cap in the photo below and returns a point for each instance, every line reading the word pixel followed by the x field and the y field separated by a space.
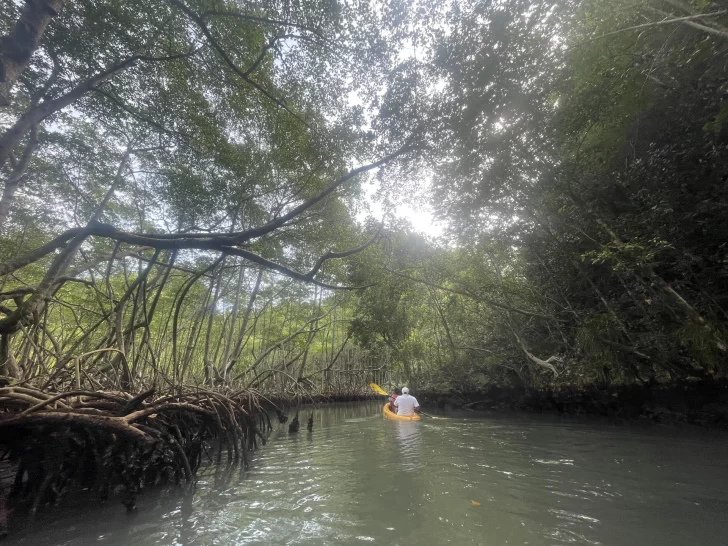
pixel 405 390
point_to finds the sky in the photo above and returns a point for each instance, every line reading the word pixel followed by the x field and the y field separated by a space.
pixel 417 213
pixel 413 209
pixel 421 218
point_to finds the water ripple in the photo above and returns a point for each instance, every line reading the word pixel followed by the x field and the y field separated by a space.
pixel 359 479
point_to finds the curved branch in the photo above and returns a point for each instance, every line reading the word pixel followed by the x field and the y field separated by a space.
pixel 40 252
pixel 304 277
pixel 228 61
pixel 210 241
pixel 179 240
pixel 266 20
pixel 279 343
pixel 38 113
pixel 660 23
pixel 345 254
pixel 281 220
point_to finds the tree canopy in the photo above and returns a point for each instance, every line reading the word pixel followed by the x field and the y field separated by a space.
pixel 183 192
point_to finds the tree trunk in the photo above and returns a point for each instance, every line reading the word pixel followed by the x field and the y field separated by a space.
pixel 17 48
pixel 208 335
pixel 8 366
pixel 243 327
pixel 230 335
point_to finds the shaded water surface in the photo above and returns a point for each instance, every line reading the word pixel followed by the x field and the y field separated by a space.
pixel 360 479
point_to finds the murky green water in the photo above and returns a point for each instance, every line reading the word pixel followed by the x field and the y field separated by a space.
pixel 360 479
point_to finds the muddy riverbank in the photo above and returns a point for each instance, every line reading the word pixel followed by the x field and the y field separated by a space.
pixel 693 402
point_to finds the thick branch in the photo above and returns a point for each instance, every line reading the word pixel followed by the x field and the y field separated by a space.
pixel 38 113
pixel 109 424
pixel 38 253
pixel 220 242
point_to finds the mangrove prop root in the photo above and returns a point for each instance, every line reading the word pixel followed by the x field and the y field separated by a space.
pixel 295 425
pixel 107 442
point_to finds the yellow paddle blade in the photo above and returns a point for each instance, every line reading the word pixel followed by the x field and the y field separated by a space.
pixel 379 390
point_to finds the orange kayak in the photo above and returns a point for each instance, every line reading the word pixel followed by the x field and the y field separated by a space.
pixel 390 415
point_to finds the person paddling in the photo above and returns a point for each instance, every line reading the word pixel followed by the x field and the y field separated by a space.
pixel 397 392
pixel 406 405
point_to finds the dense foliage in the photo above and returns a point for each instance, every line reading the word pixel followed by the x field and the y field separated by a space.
pixel 581 163
pixel 183 188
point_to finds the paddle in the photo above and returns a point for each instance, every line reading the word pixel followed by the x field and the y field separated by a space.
pixel 379 390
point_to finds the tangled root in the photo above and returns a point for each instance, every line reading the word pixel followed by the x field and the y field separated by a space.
pixel 114 441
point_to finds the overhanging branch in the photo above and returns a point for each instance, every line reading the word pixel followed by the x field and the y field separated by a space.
pixel 474 297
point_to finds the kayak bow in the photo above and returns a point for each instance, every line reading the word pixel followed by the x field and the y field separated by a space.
pixel 390 415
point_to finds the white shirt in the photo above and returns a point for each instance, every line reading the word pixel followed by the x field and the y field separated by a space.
pixel 406 405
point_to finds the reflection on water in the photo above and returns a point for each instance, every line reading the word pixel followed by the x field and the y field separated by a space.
pixel 408 434
pixel 359 478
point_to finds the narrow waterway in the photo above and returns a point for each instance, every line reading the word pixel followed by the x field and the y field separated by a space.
pixel 359 479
